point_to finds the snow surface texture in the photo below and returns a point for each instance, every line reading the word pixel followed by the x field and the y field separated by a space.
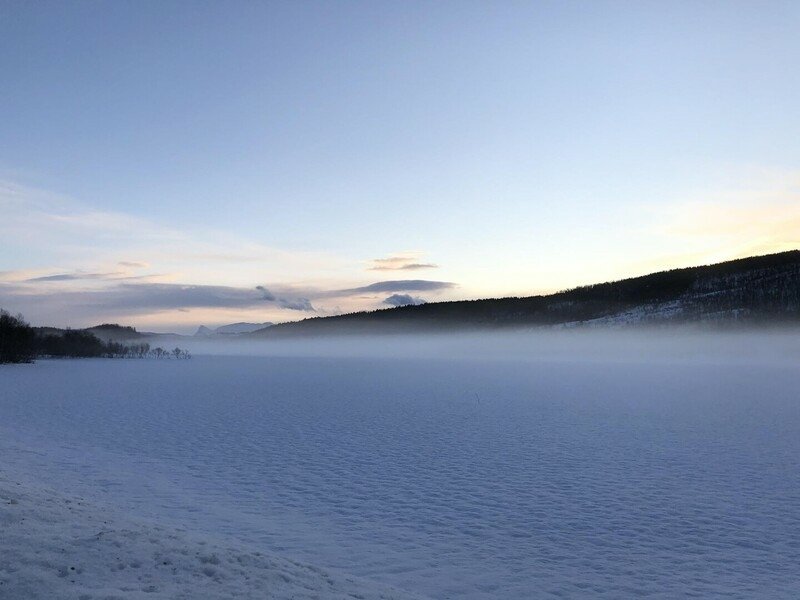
pixel 601 476
pixel 65 548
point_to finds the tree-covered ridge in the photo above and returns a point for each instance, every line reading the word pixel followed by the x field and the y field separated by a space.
pixel 749 290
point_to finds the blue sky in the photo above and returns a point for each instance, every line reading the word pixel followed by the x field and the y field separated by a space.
pixel 159 162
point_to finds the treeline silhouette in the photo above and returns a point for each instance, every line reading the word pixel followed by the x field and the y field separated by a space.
pixel 16 339
pixel 20 343
pixel 755 290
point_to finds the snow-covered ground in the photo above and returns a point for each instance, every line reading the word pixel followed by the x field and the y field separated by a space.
pixel 54 546
pixel 602 475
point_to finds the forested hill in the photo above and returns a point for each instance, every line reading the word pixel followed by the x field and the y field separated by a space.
pixel 756 290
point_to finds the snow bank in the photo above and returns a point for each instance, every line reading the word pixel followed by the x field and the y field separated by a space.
pixel 53 546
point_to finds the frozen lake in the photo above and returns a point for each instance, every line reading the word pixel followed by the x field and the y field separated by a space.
pixel 451 478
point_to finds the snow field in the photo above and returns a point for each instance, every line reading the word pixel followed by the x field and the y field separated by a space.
pixel 597 475
pixel 53 546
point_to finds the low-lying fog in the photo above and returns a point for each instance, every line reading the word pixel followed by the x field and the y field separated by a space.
pixel 681 344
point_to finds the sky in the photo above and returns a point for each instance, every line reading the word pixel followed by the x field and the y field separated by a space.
pixel 172 164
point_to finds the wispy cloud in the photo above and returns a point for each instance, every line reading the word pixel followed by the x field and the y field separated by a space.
pixel 95 265
pixel 400 262
pixel 302 304
pixel 758 215
pixel 285 294
pixel 50 295
pixel 300 298
pixel 83 238
pixel 404 285
pixel 756 211
pixel 77 277
pixel 132 264
pixel 129 298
